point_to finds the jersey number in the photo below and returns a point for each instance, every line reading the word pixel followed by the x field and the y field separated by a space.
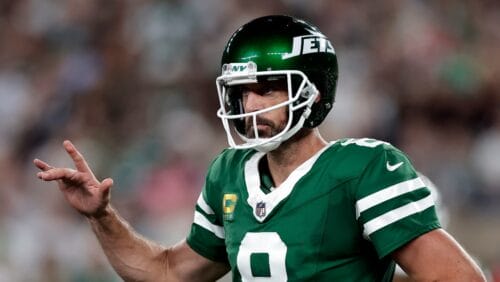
pixel 267 245
pixel 363 142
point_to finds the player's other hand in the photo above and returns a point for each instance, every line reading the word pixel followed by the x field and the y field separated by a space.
pixel 80 187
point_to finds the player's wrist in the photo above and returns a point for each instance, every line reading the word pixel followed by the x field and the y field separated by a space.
pixel 101 213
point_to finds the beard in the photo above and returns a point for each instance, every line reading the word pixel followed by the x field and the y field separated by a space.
pixel 269 131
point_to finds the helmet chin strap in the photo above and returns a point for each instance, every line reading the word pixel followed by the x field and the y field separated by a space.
pixel 268 147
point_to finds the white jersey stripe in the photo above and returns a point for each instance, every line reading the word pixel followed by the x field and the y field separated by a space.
pixel 387 194
pixel 397 214
pixel 203 205
pixel 202 221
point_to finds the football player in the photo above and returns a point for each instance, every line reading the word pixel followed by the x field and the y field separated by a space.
pixel 283 204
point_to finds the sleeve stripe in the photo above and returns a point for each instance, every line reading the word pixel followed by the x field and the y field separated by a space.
pixel 387 194
pixel 203 205
pixel 397 214
pixel 202 221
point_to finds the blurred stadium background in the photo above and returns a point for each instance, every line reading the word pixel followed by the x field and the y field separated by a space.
pixel 132 83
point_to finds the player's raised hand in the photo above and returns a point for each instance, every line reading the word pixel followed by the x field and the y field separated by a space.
pixel 80 187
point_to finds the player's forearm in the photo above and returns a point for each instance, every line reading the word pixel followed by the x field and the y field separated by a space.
pixel 133 257
pixel 436 256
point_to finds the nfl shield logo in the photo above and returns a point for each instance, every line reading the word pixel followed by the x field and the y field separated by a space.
pixel 260 209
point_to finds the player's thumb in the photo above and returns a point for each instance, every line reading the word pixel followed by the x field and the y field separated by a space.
pixel 106 185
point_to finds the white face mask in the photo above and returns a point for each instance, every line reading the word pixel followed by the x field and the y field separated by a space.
pixel 298 102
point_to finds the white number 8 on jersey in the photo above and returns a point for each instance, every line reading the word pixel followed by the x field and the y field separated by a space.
pixel 269 243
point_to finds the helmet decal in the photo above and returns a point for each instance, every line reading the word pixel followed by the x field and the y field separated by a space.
pixel 306 44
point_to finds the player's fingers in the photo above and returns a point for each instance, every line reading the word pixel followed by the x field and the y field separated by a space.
pixel 42 165
pixel 78 159
pixel 57 174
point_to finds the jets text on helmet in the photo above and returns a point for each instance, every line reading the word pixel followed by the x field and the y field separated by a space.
pixel 307 44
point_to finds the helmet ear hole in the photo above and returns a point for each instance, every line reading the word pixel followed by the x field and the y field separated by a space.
pixel 309 91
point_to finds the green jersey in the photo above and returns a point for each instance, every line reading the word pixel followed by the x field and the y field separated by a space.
pixel 336 217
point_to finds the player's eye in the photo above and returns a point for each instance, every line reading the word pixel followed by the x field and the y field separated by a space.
pixel 245 91
pixel 267 89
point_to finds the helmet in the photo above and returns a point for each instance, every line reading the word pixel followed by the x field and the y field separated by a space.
pixel 277 47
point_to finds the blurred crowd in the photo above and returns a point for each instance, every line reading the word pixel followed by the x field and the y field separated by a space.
pixel 132 84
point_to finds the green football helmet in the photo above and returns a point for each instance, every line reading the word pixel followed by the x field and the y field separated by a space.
pixel 271 48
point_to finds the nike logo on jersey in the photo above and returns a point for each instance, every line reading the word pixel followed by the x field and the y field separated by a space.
pixel 393 167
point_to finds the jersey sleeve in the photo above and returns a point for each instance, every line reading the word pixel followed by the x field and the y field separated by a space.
pixel 207 233
pixel 393 205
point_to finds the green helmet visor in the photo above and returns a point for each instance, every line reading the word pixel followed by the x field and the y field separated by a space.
pixel 241 126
